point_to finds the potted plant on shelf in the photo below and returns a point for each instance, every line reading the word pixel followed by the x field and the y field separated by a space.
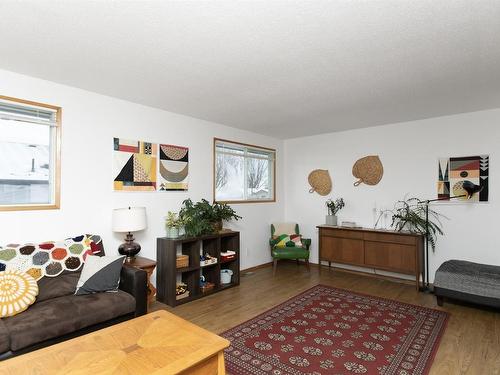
pixel 223 212
pixel 333 207
pixel 173 223
pixel 410 215
pixel 194 217
pixel 204 218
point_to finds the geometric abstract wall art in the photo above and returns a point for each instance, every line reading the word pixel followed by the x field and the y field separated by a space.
pixel 453 172
pixel 174 168
pixel 134 165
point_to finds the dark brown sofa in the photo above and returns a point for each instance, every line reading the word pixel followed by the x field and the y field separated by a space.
pixel 58 314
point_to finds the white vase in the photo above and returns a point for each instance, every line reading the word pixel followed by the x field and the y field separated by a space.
pixel 331 220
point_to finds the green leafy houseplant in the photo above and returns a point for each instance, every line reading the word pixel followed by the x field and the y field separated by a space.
pixel 409 214
pixel 204 218
pixel 223 212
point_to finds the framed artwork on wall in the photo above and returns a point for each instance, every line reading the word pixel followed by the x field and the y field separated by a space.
pixel 134 165
pixel 174 168
pixel 454 171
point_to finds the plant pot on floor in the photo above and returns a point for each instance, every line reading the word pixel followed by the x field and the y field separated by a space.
pixel 331 220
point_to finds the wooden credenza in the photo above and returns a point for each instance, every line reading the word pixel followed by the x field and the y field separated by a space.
pixel 399 252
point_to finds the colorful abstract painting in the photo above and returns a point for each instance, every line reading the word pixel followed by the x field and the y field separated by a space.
pixel 453 172
pixel 174 168
pixel 134 165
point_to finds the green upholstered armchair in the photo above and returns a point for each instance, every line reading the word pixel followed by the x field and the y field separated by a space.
pixel 290 251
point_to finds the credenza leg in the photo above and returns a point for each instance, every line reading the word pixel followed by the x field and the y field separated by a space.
pixel 329 264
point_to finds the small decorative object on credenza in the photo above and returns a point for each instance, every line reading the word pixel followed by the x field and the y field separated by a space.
pixel 349 224
pixel 128 220
pixel 320 182
pixel 333 207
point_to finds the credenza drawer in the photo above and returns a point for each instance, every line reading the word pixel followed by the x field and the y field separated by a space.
pixel 390 237
pixel 342 250
pixel 391 257
pixel 341 233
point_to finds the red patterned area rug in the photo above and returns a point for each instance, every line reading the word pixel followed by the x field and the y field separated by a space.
pixel 334 331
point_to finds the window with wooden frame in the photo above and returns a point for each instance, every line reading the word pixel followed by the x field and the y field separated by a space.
pixel 243 173
pixel 29 155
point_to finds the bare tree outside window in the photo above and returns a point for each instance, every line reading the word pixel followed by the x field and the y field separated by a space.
pixel 257 175
pixel 243 172
pixel 220 172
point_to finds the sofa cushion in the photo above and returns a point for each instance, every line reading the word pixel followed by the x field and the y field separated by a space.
pixel 62 315
pixel 18 291
pixel 4 337
pixel 100 274
pixel 289 240
pixel 53 287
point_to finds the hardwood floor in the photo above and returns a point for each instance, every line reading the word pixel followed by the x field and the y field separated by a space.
pixel 471 343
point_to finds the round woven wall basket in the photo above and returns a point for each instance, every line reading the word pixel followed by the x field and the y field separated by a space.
pixel 368 170
pixel 18 291
pixel 320 182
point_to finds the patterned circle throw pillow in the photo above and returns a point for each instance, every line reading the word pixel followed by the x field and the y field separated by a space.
pixel 18 291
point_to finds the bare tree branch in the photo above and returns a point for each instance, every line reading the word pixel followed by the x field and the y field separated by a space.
pixel 220 172
pixel 257 174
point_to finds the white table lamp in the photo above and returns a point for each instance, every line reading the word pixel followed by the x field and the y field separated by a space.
pixel 128 220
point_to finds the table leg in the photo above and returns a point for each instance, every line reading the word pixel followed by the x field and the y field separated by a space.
pixel 221 364
pixel 151 288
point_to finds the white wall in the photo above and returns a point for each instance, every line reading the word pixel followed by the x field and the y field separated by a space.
pixel 409 152
pixel 90 121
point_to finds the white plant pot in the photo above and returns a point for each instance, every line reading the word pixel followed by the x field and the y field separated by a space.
pixel 331 220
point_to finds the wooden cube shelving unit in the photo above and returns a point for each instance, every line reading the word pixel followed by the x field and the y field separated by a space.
pixel 167 273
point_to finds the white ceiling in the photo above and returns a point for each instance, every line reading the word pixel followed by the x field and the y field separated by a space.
pixel 281 68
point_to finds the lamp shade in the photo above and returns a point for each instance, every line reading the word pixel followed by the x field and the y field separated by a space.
pixel 130 219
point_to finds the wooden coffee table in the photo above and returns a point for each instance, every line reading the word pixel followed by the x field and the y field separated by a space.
pixel 157 343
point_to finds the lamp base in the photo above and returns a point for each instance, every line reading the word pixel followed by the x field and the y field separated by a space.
pixel 129 248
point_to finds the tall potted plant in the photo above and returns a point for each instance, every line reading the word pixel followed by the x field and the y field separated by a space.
pixel 409 214
pixel 333 207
